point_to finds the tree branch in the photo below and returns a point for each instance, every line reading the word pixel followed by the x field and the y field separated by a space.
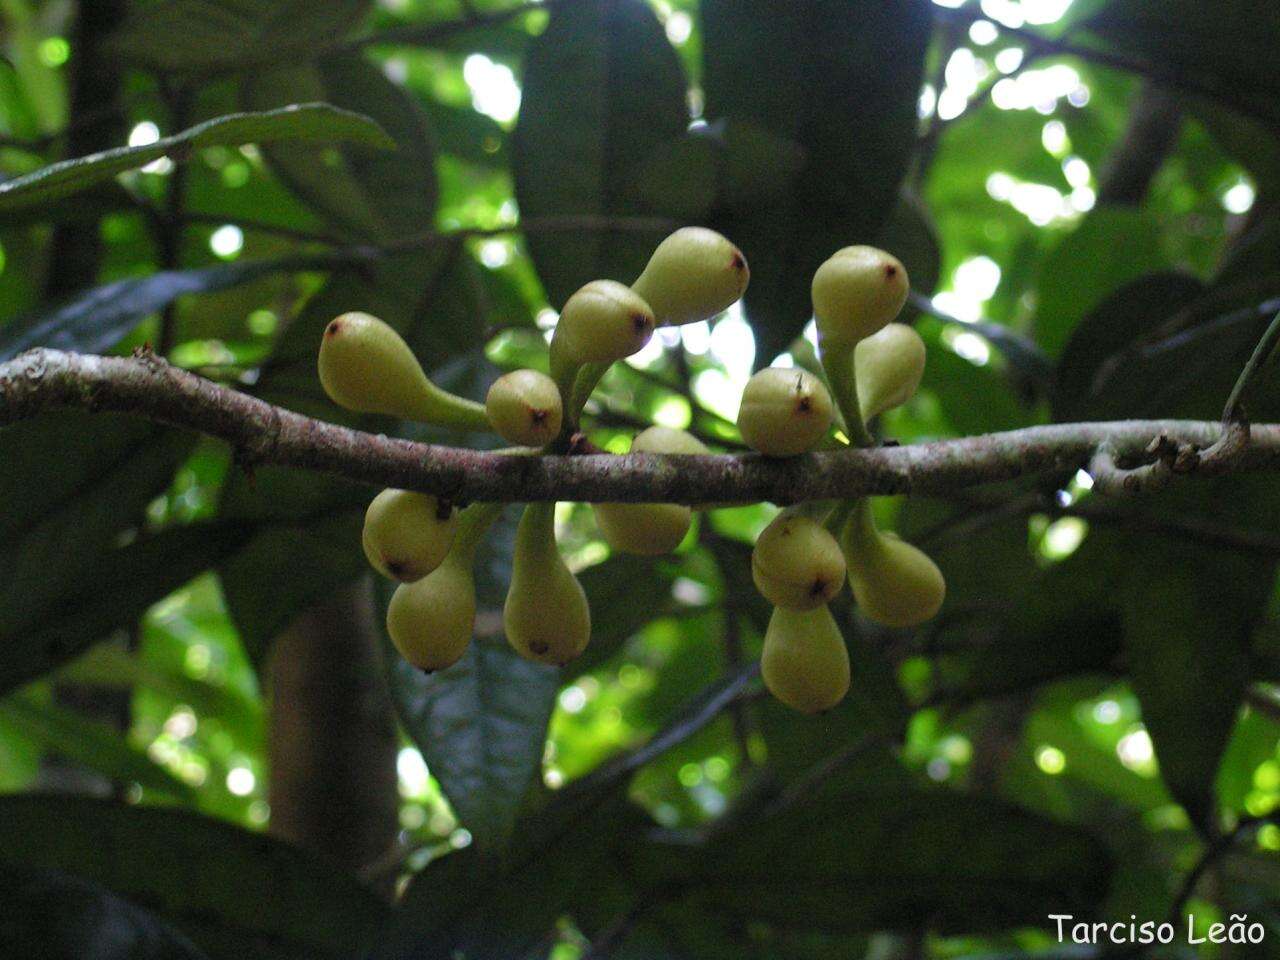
pixel 147 386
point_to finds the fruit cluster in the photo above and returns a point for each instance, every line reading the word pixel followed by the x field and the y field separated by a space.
pixel 800 561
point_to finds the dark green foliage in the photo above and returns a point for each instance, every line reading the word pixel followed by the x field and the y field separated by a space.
pixel 1095 705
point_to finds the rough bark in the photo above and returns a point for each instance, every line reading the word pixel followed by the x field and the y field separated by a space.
pixel 264 434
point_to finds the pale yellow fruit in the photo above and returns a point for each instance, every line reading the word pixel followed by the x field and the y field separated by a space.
pixel 888 366
pixel 784 412
pixel 693 275
pixel 855 293
pixel 524 408
pixel 647 529
pixel 804 661
pixel 406 534
pixel 603 322
pixel 546 616
pixel 431 621
pixel 797 564
pixel 893 583
pixel 366 366
pixel 659 439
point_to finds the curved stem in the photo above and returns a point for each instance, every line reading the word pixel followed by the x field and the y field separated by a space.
pixel 838 364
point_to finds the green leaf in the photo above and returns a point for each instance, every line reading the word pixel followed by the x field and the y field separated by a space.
pixel 286 567
pixel 89 743
pixel 481 724
pixel 97 319
pixel 238 895
pixel 871 858
pixel 1083 270
pixel 467 905
pixel 974 399
pixel 849 102
pixel 1189 614
pixel 299 121
pixel 216 36
pixel 1130 314
pixel 74 484
pixel 1224 46
pixel 603 90
pixel 625 593
pixel 111 590
pixel 374 194
pixel 69 917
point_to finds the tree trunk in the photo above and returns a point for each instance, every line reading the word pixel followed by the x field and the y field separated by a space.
pixel 332 742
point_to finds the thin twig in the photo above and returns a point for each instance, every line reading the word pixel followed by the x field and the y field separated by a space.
pixel 1233 412
pixel 248 224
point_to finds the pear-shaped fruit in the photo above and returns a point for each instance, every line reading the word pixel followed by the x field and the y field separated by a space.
pixel 693 275
pixel 406 534
pixel 888 366
pixel 647 529
pixel 546 614
pixel 431 621
pixel 604 321
pixel 658 439
pixel 893 582
pixel 855 293
pixel 524 407
pixel 367 367
pixel 797 564
pixel 784 411
pixel 804 661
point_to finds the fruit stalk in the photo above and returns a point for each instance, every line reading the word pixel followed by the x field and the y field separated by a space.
pixel 837 361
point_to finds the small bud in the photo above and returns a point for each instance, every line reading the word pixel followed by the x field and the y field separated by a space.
pixel 693 275
pixel 888 367
pixel 804 661
pixel 797 564
pixel 784 412
pixel 855 293
pixel 406 534
pixel 524 407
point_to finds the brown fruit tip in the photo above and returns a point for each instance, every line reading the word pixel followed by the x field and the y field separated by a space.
pixel 641 322
pixel 738 262
pixel 333 329
pixel 536 415
pixel 890 271
pixel 396 568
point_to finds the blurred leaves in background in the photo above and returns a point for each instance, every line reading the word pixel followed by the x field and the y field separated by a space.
pixel 1095 707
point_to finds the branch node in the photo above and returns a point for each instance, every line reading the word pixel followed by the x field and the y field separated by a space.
pixel 1227 452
